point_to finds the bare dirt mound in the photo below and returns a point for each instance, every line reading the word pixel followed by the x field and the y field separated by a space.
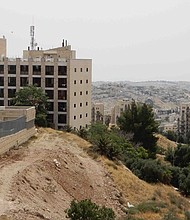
pixel 39 179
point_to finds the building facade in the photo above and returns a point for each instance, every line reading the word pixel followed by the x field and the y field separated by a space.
pixel 65 79
pixel 184 119
pixel 97 112
pixel 118 109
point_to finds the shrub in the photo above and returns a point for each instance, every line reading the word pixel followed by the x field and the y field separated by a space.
pixel 87 210
pixel 150 170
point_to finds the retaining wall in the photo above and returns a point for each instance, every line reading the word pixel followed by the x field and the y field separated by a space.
pixel 7 142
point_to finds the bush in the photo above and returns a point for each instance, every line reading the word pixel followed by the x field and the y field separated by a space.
pixel 150 170
pixel 87 210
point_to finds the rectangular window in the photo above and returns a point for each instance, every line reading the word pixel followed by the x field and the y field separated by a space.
pixel 36 70
pixel 80 81
pixel 1 102
pixel 37 81
pixel 23 69
pixel 62 118
pixel 1 81
pixel 49 70
pixel 86 80
pixel 80 92
pixel 75 105
pixel 62 70
pixel 49 82
pixel 50 94
pixel 80 115
pixel 81 104
pixel 11 93
pixel 11 81
pixel 62 106
pixel 1 69
pixel 50 118
pixel 86 115
pixel 81 69
pixel 62 95
pixel 11 69
pixel 75 82
pixel 75 69
pixel 87 69
pixel 86 103
pixel 50 106
pixel 86 92
pixel 62 83
pixel 75 93
pixel 75 117
pixel 23 81
pixel 2 93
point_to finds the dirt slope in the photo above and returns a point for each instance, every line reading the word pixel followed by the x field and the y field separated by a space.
pixel 40 179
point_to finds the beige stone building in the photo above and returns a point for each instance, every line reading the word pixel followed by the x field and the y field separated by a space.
pixel 184 119
pixel 117 110
pixel 97 112
pixel 65 79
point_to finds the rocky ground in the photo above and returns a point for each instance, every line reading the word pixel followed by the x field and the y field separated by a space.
pixel 39 179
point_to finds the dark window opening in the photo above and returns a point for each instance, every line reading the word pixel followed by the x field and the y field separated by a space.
pixel 2 93
pixel 37 82
pixel 49 70
pixel 50 94
pixel 36 70
pixel 1 69
pixel 50 118
pixel 11 81
pixel 50 106
pixel 62 119
pixel 24 70
pixel 1 81
pixel 23 81
pixel 49 82
pixel 62 106
pixel 1 102
pixel 62 70
pixel 11 93
pixel 11 69
pixel 62 95
pixel 62 83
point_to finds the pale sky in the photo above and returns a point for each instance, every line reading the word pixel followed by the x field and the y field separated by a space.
pixel 133 40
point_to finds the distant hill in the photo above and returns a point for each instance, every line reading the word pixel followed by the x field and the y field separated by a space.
pixel 164 94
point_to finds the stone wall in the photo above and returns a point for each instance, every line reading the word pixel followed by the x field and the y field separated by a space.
pixel 6 143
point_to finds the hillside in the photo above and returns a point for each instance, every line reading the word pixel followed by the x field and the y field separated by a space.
pixel 39 179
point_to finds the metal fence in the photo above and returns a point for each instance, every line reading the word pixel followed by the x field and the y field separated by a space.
pixel 12 126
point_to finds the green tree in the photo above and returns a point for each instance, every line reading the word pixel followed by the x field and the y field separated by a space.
pixel 171 135
pixel 139 120
pixel 87 210
pixel 33 96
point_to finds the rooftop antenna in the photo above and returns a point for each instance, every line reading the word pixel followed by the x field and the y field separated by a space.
pixel 32 42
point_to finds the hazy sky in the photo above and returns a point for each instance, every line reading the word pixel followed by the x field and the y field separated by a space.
pixel 126 39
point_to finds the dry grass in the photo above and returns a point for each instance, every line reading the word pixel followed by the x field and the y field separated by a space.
pixel 137 191
pixel 164 143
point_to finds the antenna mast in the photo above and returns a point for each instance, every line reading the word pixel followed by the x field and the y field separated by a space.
pixel 32 42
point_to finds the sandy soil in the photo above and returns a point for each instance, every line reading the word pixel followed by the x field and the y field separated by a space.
pixel 39 179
